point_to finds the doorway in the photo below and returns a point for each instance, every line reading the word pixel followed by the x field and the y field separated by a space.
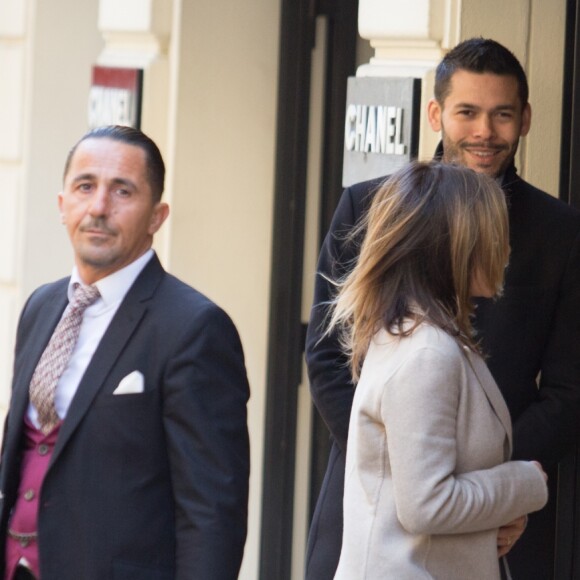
pixel 330 29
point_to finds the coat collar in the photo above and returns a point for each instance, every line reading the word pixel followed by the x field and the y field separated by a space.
pixel 53 305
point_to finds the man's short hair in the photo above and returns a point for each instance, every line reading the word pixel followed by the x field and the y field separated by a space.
pixel 479 55
pixel 130 136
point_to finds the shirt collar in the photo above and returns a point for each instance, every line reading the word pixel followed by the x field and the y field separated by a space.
pixel 113 287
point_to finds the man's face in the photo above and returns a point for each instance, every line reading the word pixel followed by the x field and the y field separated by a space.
pixel 481 121
pixel 108 207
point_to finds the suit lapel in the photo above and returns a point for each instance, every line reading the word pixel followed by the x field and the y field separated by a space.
pixel 48 313
pixel 52 309
pixel 53 306
pixel 120 331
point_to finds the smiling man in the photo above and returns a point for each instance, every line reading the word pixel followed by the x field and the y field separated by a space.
pixel 481 117
pixel 531 335
pixel 126 448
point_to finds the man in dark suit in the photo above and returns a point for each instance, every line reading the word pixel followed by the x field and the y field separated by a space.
pixel 531 335
pixel 143 471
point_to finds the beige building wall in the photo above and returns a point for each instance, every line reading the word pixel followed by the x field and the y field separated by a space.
pixel 13 52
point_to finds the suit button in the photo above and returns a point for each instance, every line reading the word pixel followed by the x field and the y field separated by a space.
pixel 29 494
pixel 42 449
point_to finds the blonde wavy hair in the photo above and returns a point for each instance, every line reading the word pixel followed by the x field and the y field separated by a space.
pixel 431 228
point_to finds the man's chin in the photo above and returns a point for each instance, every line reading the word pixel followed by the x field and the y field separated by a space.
pixel 493 168
pixel 491 171
pixel 97 260
pixel 487 168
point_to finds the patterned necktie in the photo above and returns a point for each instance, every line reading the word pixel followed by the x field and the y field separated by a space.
pixel 56 356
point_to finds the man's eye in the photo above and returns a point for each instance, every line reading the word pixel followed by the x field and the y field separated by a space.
pixel 122 192
pixel 85 187
pixel 466 113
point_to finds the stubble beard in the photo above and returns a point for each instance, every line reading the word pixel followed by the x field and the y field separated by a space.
pixel 456 153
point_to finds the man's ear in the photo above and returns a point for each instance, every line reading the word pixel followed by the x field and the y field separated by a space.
pixel 59 199
pixel 159 215
pixel 526 120
pixel 434 114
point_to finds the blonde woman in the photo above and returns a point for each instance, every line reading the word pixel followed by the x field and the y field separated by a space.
pixel 428 479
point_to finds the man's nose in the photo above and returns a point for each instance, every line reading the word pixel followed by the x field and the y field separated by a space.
pixel 484 128
pixel 99 202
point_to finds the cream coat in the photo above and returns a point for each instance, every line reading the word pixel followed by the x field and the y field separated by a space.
pixel 427 483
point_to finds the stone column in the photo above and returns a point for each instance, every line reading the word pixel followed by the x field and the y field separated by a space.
pixel 409 39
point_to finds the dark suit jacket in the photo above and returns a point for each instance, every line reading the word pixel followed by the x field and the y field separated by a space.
pixel 533 330
pixel 149 486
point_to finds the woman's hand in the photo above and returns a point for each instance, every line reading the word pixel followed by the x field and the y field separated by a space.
pixel 539 466
pixel 509 534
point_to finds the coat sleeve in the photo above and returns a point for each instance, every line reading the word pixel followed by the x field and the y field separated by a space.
pixel 419 408
pixel 205 424
pixel 330 379
pixel 549 426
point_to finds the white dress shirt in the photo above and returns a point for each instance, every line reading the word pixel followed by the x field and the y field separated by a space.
pixel 96 320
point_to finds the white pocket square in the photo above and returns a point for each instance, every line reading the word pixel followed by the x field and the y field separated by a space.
pixel 133 383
